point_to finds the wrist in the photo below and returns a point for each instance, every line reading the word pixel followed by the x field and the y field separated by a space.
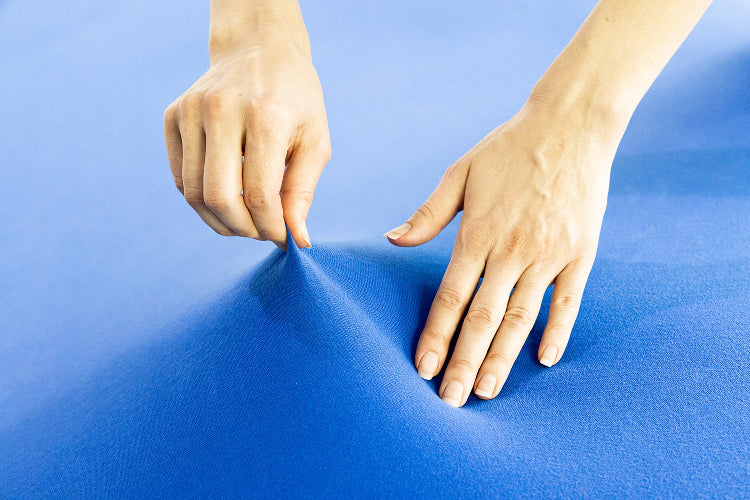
pixel 582 104
pixel 238 26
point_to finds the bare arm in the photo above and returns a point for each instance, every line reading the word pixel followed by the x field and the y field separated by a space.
pixel 615 57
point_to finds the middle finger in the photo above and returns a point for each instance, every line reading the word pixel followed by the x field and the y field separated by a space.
pixel 479 327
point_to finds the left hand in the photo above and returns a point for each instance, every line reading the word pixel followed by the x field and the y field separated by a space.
pixel 533 192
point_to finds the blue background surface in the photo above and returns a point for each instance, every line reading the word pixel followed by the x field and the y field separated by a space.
pixel 141 354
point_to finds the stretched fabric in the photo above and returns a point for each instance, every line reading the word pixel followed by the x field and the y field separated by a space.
pixel 142 356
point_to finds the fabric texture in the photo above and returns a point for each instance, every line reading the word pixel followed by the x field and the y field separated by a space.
pixel 143 356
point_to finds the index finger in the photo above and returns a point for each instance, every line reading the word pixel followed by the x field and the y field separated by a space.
pixel 265 159
pixel 173 141
pixel 455 292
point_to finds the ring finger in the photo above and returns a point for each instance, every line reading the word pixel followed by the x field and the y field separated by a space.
pixel 520 315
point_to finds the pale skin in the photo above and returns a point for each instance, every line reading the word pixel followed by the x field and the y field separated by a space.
pixel 533 192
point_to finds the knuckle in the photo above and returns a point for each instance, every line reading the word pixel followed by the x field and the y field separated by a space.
pixel 306 195
pixel 215 103
pixel 515 241
pixel 480 317
pixel 586 249
pixel 313 142
pixel 426 212
pixel 223 231
pixel 566 301
pixel 455 175
pixel 451 173
pixel 450 299
pixel 557 330
pixel 274 232
pixel 474 238
pixel 583 266
pixel 214 98
pixel 246 233
pixel 318 145
pixel 190 105
pixel 256 198
pixel 546 247
pixel 518 316
pixel 499 359
pixel 537 276
pixel 179 184
pixel 170 114
pixel 268 112
pixel 462 365
pixel 217 201
pixel 434 336
pixel 325 151
pixel 193 196
pixel 301 195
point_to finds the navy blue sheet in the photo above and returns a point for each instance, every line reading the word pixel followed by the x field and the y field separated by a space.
pixel 142 355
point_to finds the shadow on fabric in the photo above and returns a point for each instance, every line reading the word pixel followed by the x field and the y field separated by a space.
pixel 307 360
pixel 299 378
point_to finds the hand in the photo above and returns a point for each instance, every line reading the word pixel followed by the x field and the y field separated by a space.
pixel 264 102
pixel 533 194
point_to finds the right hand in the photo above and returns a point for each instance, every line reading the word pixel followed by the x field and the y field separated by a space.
pixel 265 102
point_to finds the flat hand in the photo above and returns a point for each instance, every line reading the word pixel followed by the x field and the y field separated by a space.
pixel 264 103
pixel 533 194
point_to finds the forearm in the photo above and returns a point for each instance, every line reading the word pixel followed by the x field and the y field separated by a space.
pixel 242 24
pixel 614 58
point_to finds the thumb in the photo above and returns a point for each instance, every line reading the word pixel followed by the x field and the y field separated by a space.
pixel 435 213
pixel 300 179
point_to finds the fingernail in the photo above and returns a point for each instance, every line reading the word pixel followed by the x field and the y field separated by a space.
pixel 549 355
pixel 486 386
pixel 428 365
pixel 453 393
pixel 398 232
pixel 305 234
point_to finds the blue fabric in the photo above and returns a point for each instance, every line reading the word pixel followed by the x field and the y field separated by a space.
pixel 143 356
